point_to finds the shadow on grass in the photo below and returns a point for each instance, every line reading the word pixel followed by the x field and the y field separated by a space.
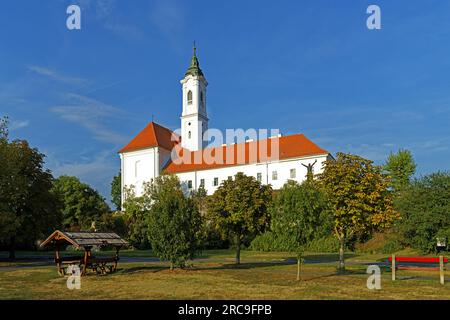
pixel 253 265
pixel 140 268
pixel 326 257
pixel 27 259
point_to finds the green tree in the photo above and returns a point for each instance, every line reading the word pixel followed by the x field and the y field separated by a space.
pixel 82 206
pixel 401 167
pixel 239 208
pixel 28 210
pixel 113 222
pixel 359 197
pixel 211 237
pixel 136 211
pixel 4 128
pixel 174 222
pixel 425 210
pixel 116 191
pixel 298 213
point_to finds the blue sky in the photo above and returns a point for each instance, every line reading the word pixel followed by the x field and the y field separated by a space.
pixel 300 66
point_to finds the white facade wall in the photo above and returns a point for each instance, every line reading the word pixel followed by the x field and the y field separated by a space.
pixel 282 168
pixel 138 167
pixel 142 166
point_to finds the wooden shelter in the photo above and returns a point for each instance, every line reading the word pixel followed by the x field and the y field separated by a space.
pixel 85 240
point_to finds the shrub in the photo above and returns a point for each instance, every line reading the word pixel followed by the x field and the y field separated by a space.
pixel 425 209
pixel 326 244
pixel 266 241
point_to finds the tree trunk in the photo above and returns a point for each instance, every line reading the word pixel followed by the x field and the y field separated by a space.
pixel 12 248
pixel 298 268
pixel 238 249
pixel 341 255
pixel 171 266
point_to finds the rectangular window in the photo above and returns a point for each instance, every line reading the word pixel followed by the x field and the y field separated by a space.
pixel 137 166
pixel 274 175
pixel 216 182
pixel 293 174
pixel 202 183
pixel 259 176
pixel 190 184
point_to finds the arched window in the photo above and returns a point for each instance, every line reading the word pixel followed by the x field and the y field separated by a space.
pixel 189 135
pixel 189 97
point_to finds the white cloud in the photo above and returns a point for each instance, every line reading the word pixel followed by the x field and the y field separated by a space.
pixel 18 124
pixel 90 114
pixel 97 170
pixel 106 14
pixel 54 75
pixel 169 18
pixel 99 166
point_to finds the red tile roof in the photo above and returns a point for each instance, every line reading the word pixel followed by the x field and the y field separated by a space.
pixel 293 146
pixel 153 135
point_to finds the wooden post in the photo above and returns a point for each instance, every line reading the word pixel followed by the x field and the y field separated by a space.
pixel 393 267
pixel 58 260
pixel 86 259
pixel 441 269
pixel 116 258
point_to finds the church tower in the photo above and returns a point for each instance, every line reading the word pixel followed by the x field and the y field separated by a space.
pixel 194 120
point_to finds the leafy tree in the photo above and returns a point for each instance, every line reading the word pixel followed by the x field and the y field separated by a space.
pixel 211 237
pixel 135 212
pixel 359 197
pixel 116 194
pixel 82 206
pixel 298 213
pixel 173 221
pixel 239 208
pixel 4 128
pixel 199 197
pixel 113 222
pixel 425 209
pixel 401 167
pixel 28 210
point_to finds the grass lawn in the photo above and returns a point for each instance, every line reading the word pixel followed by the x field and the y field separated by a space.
pixel 214 276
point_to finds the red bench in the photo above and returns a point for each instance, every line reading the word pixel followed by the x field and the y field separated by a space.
pixel 418 263
pixel 411 262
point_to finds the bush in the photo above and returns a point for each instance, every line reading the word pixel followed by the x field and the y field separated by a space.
pixel 425 209
pixel 113 222
pixel 391 246
pixel 385 243
pixel 212 239
pixel 269 241
pixel 266 241
pixel 328 244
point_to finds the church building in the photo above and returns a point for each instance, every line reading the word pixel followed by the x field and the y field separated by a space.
pixel 157 150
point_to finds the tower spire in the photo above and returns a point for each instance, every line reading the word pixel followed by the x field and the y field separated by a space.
pixel 194 68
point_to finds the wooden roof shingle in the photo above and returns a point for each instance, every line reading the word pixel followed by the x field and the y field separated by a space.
pixel 85 239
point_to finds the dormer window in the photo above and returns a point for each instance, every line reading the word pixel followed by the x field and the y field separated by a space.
pixel 189 97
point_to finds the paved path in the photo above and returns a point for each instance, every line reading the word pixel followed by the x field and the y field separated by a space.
pixel 42 261
pixel 39 261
